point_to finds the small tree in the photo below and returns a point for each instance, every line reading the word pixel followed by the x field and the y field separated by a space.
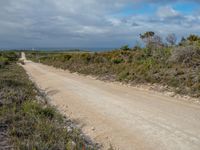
pixel 171 39
pixel 193 38
pixel 147 37
pixel 153 42
pixel 158 42
pixel 182 42
pixel 125 48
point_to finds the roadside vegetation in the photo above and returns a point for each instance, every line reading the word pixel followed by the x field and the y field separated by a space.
pixel 171 64
pixel 26 121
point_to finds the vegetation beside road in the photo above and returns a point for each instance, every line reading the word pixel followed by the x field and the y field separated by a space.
pixel 167 64
pixel 27 122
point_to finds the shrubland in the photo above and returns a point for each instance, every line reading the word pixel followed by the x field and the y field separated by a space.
pixel 7 57
pixel 173 65
pixel 27 122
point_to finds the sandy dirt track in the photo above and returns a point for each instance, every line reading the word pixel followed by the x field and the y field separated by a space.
pixel 126 117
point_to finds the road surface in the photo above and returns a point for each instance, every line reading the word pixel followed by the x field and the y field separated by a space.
pixel 126 117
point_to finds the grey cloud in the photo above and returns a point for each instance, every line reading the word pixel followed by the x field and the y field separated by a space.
pixel 165 1
pixel 135 24
pixel 26 23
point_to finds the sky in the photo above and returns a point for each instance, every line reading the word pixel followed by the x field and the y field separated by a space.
pixel 93 23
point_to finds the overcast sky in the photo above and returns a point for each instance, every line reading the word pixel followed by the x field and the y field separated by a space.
pixel 92 23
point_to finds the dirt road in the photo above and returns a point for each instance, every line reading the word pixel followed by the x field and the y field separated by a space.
pixel 126 117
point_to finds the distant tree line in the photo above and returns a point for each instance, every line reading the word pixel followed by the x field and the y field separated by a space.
pixel 150 38
pixel 153 41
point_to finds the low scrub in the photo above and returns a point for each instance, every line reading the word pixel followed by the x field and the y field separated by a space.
pixel 8 57
pixel 31 124
pixel 177 67
pixel 187 55
pixel 3 61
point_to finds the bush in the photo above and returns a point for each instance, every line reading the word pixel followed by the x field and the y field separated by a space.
pixel 123 75
pixel 186 55
pixel 12 56
pixel 177 67
pixel 125 48
pixel 3 61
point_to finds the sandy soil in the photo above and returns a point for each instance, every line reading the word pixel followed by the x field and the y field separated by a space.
pixel 129 118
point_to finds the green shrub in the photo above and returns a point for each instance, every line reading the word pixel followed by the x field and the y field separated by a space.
pixel 3 61
pixel 123 76
pixel 177 67
pixel 117 60
pixel 125 48
pixel 86 58
pixel 31 124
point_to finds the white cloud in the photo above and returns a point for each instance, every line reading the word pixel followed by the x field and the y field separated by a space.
pixel 114 21
pixel 66 23
pixel 167 11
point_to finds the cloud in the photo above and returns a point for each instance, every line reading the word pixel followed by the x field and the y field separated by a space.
pixel 165 1
pixel 86 23
pixel 167 12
